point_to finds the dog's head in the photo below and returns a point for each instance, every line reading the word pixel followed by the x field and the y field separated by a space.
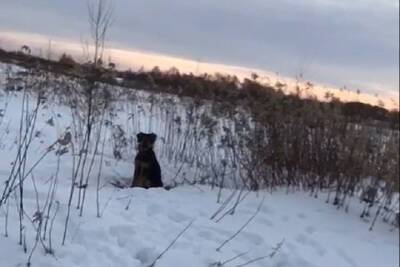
pixel 146 141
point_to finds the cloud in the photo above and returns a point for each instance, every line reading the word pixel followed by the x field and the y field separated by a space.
pixel 137 59
pixel 338 42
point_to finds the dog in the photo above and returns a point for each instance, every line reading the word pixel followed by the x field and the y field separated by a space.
pixel 147 169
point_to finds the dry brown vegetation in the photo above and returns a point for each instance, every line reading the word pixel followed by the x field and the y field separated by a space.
pixel 255 133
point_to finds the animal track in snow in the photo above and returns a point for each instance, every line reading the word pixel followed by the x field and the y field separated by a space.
pixel 123 234
pixel 304 240
pixel 310 229
pixel 265 221
pixel 267 210
pixel 253 238
pixel 146 255
pixel 154 209
pixel 301 215
pixel 178 217
pixel 285 218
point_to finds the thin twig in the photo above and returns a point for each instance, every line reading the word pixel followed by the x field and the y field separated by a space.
pixel 271 255
pixel 244 225
pixel 171 244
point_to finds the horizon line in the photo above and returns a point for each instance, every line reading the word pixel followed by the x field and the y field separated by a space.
pixel 136 59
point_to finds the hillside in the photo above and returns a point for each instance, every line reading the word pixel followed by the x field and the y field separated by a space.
pixel 214 157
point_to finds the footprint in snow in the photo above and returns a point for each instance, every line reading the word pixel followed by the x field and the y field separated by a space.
pixel 301 239
pixel 310 229
pixel 301 215
pixel 265 221
pixel 178 217
pixel 267 210
pixel 146 255
pixel 292 247
pixel 122 233
pixel 154 209
pixel 306 241
pixel 253 238
pixel 206 235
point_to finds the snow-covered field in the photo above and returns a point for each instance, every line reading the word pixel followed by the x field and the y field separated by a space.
pixel 314 233
pixel 137 225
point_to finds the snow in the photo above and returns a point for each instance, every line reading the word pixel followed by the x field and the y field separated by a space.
pixel 136 225
pixel 315 234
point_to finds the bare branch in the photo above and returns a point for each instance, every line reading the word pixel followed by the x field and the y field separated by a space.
pixel 244 225
pixel 171 244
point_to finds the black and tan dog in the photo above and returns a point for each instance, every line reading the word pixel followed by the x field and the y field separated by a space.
pixel 147 170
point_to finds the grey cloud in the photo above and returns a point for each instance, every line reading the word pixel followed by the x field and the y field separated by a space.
pixel 286 36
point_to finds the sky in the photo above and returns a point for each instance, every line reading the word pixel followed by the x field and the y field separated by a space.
pixel 334 43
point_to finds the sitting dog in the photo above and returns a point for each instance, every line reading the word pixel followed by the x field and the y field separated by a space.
pixel 147 170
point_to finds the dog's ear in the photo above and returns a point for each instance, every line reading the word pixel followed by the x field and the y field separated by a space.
pixel 153 138
pixel 140 136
